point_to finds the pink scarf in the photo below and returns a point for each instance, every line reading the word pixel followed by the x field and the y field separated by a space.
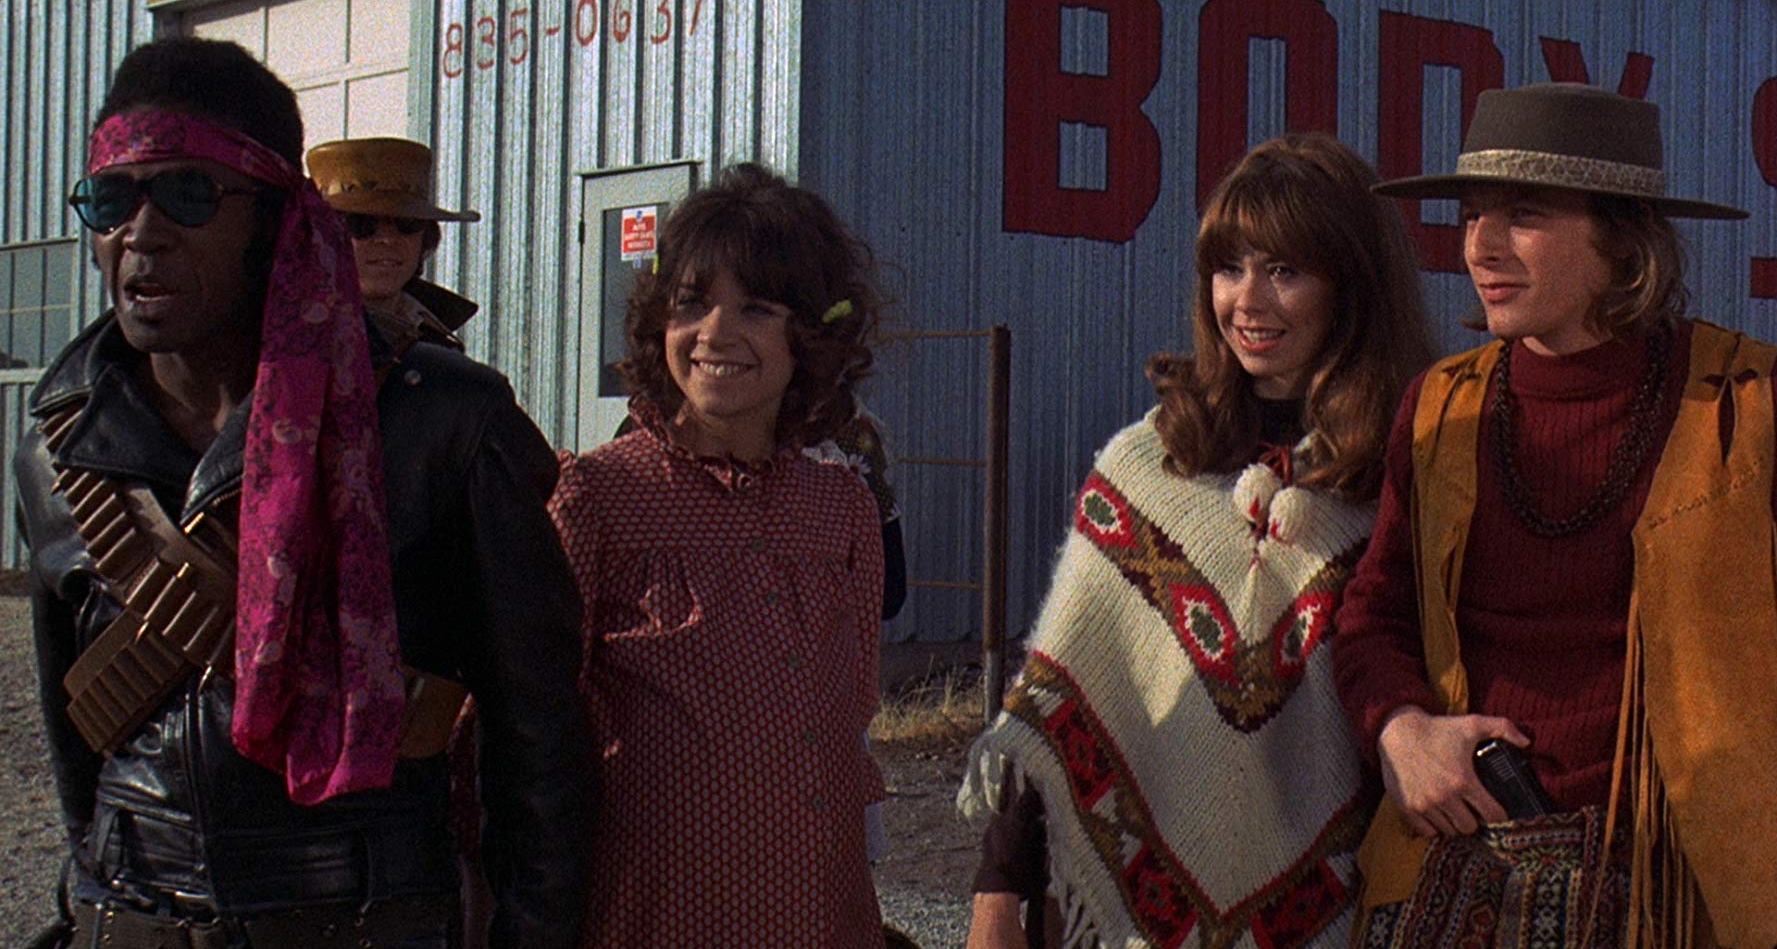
pixel 319 692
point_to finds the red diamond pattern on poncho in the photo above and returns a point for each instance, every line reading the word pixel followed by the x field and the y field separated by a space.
pixel 1248 682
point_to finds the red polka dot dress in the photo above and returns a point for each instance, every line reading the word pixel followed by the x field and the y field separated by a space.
pixel 732 614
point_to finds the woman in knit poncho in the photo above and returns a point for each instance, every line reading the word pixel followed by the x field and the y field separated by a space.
pixel 1172 766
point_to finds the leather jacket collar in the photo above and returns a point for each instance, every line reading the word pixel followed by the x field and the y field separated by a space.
pixel 451 309
pixel 127 437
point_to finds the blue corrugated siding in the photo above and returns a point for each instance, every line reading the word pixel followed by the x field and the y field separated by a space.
pixel 902 125
pixel 15 390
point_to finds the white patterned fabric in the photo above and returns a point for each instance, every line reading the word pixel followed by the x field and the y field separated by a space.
pixel 1563 171
pixel 1176 710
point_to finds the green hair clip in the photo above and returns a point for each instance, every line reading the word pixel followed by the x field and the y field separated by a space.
pixel 837 312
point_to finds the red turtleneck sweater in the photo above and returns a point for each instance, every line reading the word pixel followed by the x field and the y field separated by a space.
pixel 1543 622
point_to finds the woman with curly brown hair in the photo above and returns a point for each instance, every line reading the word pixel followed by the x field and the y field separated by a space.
pixel 1172 763
pixel 733 587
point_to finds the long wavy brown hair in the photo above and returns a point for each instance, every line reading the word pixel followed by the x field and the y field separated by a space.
pixel 1647 263
pixel 1304 199
pixel 784 244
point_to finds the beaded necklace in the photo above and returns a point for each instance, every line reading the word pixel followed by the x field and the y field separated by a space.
pixel 1626 458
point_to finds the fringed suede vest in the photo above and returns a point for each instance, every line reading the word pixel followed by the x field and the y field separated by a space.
pixel 1695 774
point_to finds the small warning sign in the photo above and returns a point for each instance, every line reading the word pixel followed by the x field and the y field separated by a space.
pixel 640 233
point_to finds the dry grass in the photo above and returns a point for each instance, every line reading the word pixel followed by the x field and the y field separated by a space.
pixel 943 709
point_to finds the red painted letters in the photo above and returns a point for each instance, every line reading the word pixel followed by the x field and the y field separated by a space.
pixel 518 39
pixel 488 32
pixel 450 62
pixel 1764 151
pixel 1409 44
pixel 519 42
pixel 1567 63
pixel 1039 97
pixel 1225 29
pixel 622 20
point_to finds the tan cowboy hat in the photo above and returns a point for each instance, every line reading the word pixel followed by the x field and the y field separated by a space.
pixel 1562 135
pixel 386 177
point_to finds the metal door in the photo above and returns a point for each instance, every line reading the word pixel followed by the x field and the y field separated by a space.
pixel 620 216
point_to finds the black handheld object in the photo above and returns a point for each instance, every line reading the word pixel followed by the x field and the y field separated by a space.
pixel 1506 774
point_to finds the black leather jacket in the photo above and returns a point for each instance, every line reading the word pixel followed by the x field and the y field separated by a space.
pixel 177 819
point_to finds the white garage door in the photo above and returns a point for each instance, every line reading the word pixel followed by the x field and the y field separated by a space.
pixel 346 59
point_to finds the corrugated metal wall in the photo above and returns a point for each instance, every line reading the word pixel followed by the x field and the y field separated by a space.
pixel 524 96
pixel 58 61
pixel 15 390
pixel 58 58
pixel 897 112
pixel 903 126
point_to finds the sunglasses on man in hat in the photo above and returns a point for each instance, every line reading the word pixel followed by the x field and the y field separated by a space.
pixel 383 188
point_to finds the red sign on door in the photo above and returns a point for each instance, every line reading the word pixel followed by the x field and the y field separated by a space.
pixel 640 233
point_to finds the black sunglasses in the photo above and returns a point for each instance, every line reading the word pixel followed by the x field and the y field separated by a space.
pixel 364 226
pixel 187 197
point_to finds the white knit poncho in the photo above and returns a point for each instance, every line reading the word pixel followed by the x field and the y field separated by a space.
pixel 1176 711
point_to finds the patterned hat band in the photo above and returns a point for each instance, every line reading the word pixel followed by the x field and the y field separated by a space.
pixel 1563 171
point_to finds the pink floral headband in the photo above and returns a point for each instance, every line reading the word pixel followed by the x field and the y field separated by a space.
pixel 319 691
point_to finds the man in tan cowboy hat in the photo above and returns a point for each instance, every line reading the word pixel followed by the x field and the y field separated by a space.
pixel 1572 558
pixel 383 186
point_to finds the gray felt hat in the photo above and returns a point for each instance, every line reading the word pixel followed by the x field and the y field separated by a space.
pixel 1562 135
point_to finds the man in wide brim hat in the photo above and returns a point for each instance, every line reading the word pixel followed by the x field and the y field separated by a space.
pixel 384 188
pixel 1572 555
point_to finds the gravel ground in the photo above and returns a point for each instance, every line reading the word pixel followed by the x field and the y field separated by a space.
pixel 31 842
pixel 934 923
pixel 923 882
